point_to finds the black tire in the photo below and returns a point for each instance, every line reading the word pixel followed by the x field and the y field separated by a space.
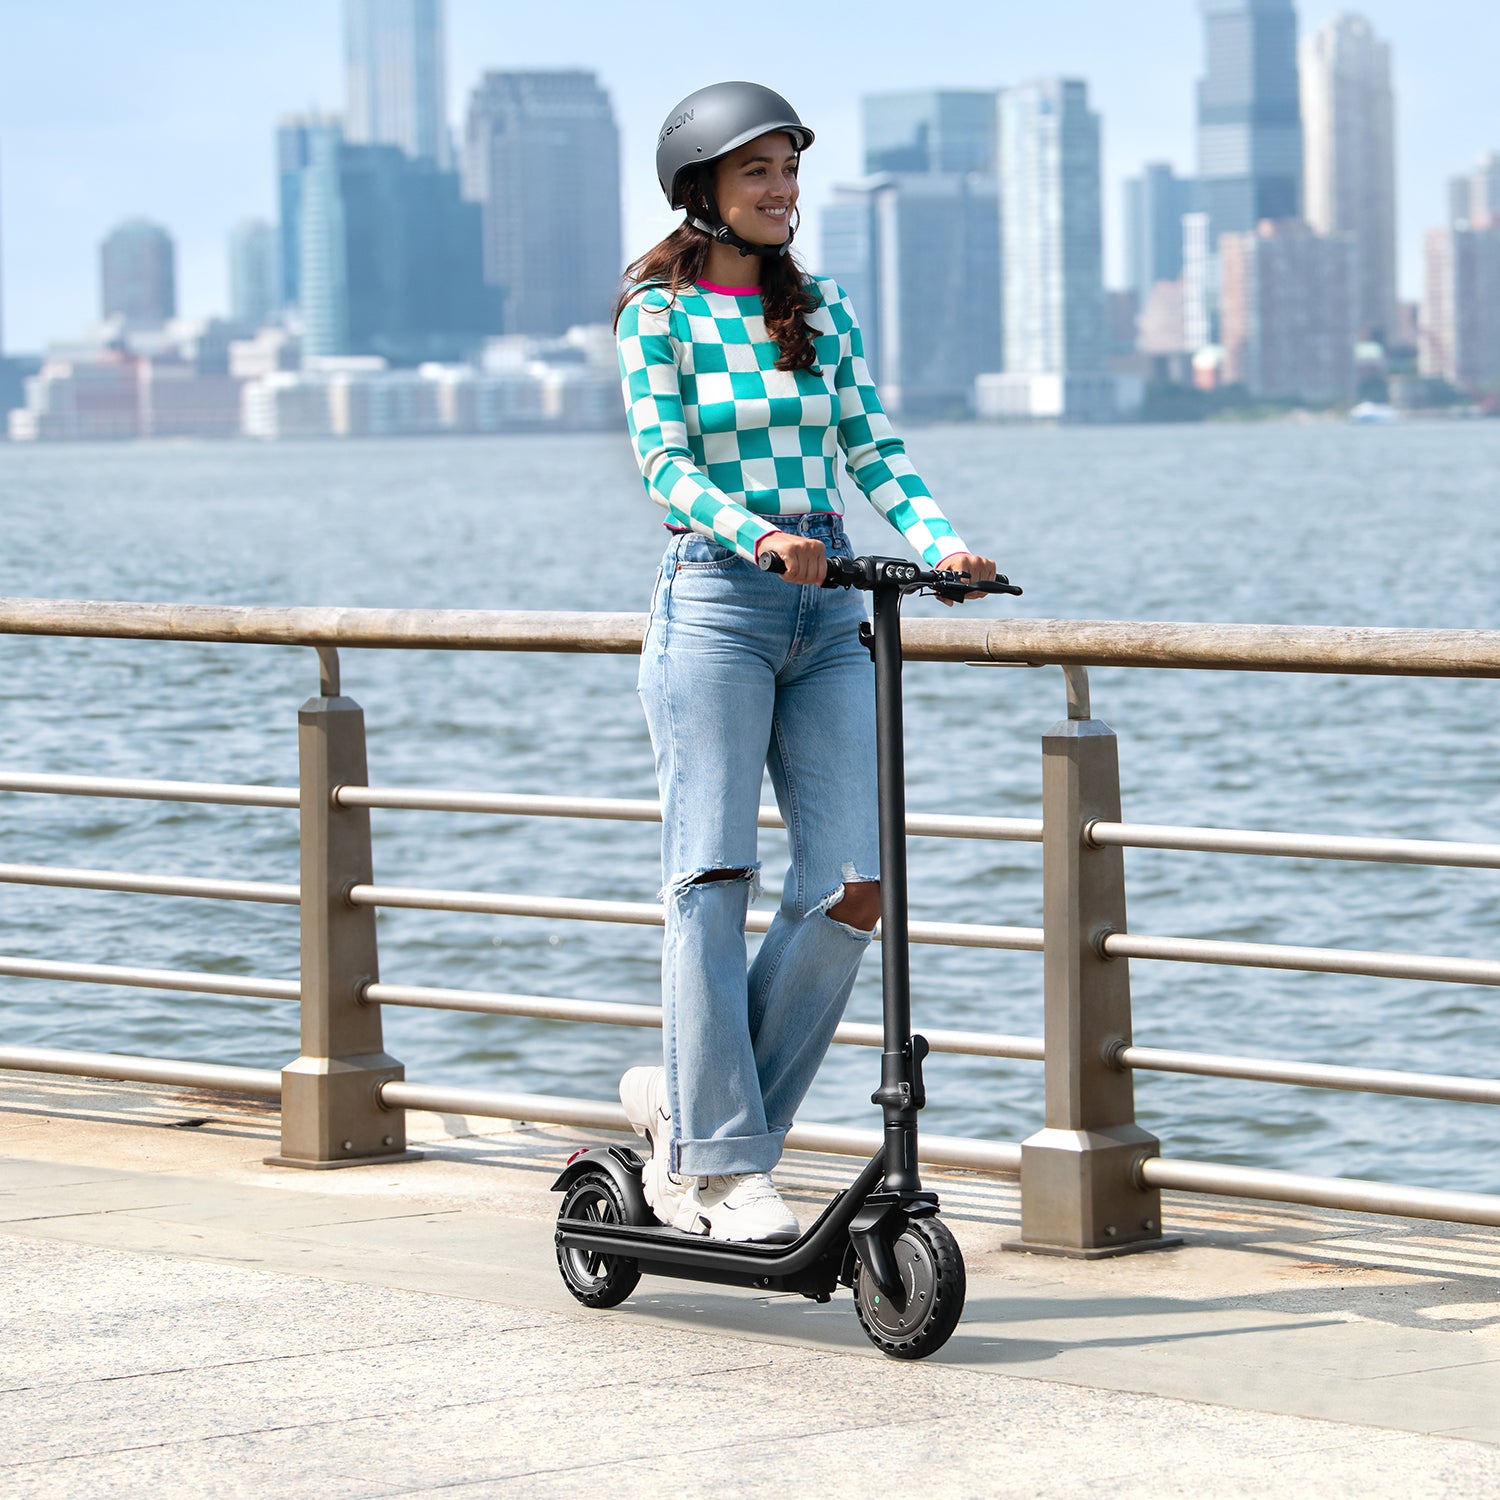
pixel 596 1280
pixel 932 1271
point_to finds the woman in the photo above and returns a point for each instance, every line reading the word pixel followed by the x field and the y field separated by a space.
pixel 743 378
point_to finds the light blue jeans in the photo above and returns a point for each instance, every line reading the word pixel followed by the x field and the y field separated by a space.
pixel 742 671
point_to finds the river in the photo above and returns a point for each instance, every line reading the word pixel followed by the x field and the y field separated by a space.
pixel 1300 524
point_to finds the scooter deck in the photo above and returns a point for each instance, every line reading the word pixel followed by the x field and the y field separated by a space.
pixel 810 1264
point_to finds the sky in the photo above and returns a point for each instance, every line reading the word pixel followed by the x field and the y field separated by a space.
pixel 167 108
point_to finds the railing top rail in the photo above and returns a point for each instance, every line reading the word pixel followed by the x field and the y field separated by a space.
pixel 1365 650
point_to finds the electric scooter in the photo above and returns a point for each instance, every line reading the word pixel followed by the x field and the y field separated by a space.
pixel 881 1236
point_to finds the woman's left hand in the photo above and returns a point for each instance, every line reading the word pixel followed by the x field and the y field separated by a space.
pixel 979 569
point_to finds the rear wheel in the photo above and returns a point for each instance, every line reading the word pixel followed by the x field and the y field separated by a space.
pixel 596 1280
pixel 931 1267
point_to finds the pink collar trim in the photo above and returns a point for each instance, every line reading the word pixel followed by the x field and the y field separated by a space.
pixel 731 291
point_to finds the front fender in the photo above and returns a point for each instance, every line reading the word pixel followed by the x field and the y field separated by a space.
pixel 623 1165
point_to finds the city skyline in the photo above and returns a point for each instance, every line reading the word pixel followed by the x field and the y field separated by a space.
pixel 86 142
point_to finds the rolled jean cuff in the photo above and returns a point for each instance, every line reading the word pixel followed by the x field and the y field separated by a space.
pixel 735 1154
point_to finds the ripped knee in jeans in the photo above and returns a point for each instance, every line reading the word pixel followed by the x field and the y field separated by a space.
pixel 713 875
pixel 854 904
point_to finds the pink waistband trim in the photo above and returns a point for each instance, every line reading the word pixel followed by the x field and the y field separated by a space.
pixel 731 291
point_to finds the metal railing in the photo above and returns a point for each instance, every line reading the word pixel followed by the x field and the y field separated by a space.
pixel 1091 1177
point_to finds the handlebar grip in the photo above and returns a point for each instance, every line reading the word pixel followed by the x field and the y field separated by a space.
pixel 770 562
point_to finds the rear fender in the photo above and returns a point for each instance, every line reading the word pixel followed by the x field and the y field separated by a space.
pixel 623 1165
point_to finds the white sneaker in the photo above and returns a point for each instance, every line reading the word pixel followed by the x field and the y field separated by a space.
pixel 742 1206
pixel 643 1092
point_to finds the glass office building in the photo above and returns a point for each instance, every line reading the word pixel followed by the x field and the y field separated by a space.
pixel 395 77
pixel 1249 115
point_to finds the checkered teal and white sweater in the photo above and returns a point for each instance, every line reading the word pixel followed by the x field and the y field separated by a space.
pixel 724 439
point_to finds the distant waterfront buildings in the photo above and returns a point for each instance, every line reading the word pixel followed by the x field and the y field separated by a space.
pixel 521 385
pixel 254 273
pixel 1154 205
pixel 1289 300
pixel 180 389
pixel 930 130
pixel 138 275
pixel 542 160
pixel 395 77
pixel 1056 336
pixel 1348 120
pixel 1249 115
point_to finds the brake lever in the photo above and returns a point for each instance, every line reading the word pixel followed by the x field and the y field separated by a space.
pixel 958 592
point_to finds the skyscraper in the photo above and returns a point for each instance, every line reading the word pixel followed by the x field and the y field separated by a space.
pixel 322 270
pixel 254 259
pixel 390 255
pixel 1348 119
pixel 1474 197
pixel 395 77
pixel 542 158
pixel 1154 205
pixel 1056 336
pixel 1200 283
pixel 1249 116
pixel 138 274
pixel 294 136
pixel 931 130
pixel 918 253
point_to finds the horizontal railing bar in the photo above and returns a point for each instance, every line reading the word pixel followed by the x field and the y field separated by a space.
pixel 150 885
pixel 648 914
pixel 1313 1075
pixel 641 810
pixel 1088 643
pixel 1295 845
pixel 152 979
pixel 150 791
pixel 1311 960
pixel 618 1013
pixel 1346 1193
pixel 549 1109
pixel 141 1069
pixel 491 1003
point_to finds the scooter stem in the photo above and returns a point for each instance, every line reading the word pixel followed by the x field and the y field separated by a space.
pixel 900 1092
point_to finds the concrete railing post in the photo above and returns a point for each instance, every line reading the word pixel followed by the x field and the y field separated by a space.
pixel 331 1114
pixel 1080 1189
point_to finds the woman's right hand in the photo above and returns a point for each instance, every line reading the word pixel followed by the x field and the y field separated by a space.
pixel 805 557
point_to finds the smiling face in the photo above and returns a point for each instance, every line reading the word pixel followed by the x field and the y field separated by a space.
pixel 756 188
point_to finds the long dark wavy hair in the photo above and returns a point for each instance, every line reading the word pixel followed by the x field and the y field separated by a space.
pixel 678 261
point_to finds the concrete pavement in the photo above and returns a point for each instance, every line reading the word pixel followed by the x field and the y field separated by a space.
pixel 181 1319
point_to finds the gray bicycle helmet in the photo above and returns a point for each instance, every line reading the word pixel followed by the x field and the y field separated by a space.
pixel 711 123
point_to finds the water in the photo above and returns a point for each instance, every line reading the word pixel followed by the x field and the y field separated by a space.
pixel 1317 524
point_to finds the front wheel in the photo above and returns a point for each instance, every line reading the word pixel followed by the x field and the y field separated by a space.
pixel 596 1280
pixel 932 1274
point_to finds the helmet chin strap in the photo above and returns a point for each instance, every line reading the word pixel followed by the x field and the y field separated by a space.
pixel 722 234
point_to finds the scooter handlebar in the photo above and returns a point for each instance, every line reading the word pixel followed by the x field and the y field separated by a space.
pixel 896 572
